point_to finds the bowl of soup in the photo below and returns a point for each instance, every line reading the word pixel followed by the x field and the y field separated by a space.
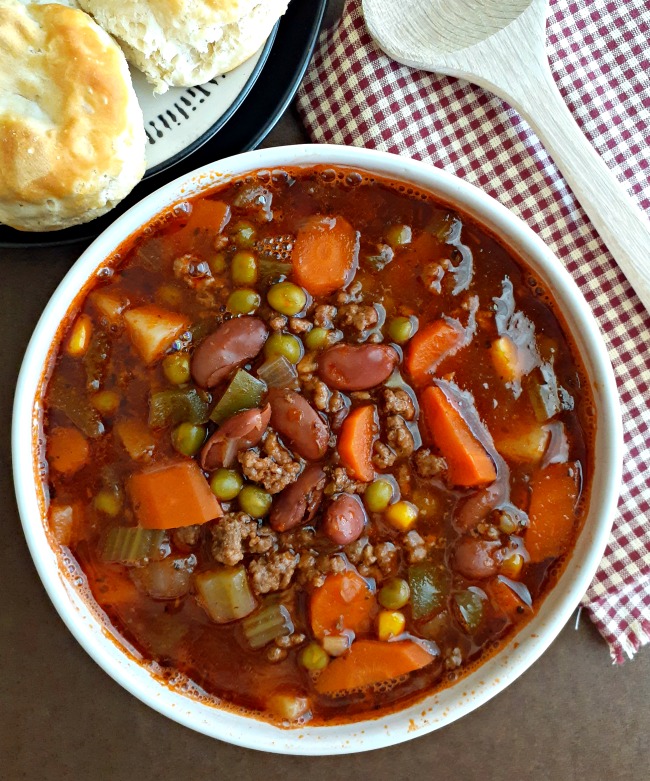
pixel 316 449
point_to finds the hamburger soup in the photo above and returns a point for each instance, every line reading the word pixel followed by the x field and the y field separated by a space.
pixel 318 442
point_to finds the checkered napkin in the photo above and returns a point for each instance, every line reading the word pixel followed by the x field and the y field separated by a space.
pixel 598 50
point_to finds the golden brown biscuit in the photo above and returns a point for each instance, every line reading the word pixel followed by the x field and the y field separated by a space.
pixel 71 131
pixel 186 42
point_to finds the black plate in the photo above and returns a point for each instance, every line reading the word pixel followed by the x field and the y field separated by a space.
pixel 246 129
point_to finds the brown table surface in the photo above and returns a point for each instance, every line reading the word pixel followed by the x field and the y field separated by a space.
pixel 572 716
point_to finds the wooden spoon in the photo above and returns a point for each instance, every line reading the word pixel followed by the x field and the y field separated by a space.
pixel 500 45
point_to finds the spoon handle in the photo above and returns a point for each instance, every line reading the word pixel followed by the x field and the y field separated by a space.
pixel 621 225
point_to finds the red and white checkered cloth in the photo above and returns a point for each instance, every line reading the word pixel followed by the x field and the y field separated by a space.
pixel 598 50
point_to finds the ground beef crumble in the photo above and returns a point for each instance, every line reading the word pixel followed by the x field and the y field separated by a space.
pixel 186 537
pixel 341 482
pixel 396 401
pixel 357 316
pixel 398 436
pixel 414 546
pixel 427 464
pixel 272 572
pixel 383 457
pixel 236 534
pixel 324 315
pixel 274 471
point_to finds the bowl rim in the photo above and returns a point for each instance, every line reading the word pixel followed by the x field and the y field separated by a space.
pixel 434 710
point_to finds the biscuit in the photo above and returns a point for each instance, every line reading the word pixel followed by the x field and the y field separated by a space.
pixel 72 141
pixel 182 43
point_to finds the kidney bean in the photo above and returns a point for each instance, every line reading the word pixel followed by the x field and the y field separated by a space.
pixel 344 519
pixel 233 343
pixel 474 558
pixel 298 503
pixel 243 430
pixel 356 367
pixel 298 422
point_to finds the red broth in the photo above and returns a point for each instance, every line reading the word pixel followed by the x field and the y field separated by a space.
pixel 318 442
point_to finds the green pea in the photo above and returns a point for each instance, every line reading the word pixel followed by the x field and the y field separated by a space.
pixel 286 298
pixel 398 235
pixel 187 438
pixel 226 484
pixel 401 329
pixel 243 301
pixel 317 338
pixel 313 657
pixel 243 233
pixel 217 263
pixel 243 268
pixel 176 368
pixel 106 402
pixel 378 495
pixel 255 501
pixel 394 594
pixel 283 344
pixel 108 501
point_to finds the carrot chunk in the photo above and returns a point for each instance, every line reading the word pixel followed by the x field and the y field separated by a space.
pixel 358 433
pixel 325 254
pixel 172 495
pixel 428 347
pixel 344 601
pixel 208 215
pixel 369 662
pixel 468 462
pixel 554 494
pixel 67 450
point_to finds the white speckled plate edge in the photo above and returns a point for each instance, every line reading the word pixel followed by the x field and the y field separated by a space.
pixel 181 120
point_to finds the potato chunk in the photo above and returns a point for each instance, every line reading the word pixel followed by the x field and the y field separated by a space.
pixel 152 330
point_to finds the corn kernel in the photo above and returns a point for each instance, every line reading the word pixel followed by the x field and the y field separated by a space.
pixel 511 566
pixel 390 623
pixel 401 515
pixel 79 338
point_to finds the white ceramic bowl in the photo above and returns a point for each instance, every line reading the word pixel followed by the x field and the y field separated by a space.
pixel 435 710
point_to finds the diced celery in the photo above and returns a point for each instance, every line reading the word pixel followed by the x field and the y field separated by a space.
pixel 178 405
pixel 132 544
pixel 225 594
pixel 429 584
pixel 270 621
pixel 166 579
pixel 469 607
pixel 244 392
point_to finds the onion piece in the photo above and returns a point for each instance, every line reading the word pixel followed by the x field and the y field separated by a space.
pixel 277 372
